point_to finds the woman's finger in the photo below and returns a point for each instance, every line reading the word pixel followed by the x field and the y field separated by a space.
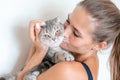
pixel 32 25
pixel 38 26
pixel 32 31
pixel 37 31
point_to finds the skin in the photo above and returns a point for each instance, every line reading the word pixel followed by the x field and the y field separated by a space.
pixel 77 39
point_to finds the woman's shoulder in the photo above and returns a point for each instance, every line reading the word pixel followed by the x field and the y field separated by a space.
pixel 65 71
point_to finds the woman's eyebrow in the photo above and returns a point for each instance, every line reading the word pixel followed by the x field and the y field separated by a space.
pixel 68 20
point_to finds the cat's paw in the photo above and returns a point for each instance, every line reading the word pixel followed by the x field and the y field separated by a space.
pixel 63 57
pixel 68 57
pixel 32 76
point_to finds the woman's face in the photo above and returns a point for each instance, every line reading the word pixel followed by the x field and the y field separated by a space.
pixel 78 32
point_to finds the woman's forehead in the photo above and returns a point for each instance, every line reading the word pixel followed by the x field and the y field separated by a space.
pixel 81 19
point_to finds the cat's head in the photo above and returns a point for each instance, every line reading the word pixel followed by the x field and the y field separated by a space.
pixel 52 33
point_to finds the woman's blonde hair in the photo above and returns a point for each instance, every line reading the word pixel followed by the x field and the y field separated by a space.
pixel 107 15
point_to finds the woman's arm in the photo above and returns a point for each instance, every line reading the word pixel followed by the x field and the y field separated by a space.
pixel 30 54
pixel 35 57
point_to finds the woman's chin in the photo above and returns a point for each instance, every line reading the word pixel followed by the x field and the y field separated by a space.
pixel 64 46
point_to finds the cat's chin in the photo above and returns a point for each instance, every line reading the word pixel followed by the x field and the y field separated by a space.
pixel 52 46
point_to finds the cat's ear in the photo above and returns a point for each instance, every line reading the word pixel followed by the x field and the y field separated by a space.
pixel 56 20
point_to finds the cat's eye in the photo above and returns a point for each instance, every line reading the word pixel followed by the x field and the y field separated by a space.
pixel 57 33
pixel 46 36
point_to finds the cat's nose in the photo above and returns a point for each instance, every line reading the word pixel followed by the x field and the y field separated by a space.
pixel 53 39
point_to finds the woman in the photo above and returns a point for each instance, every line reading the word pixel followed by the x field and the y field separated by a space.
pixel 92 26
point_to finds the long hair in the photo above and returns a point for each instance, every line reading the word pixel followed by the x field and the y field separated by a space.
pixel 107 16
pixel 115 59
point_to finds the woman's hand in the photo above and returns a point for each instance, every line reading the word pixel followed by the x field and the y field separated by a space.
pixel 40 49
pixel 34 30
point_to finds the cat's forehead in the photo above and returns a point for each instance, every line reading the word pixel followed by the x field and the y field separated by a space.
pixel 49 25
pixel 49 28
pixel 53 25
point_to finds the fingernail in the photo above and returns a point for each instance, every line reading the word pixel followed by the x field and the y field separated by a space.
pixel 38 26
pixel 43 23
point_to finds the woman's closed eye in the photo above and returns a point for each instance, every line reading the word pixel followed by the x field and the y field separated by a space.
pixel 76 34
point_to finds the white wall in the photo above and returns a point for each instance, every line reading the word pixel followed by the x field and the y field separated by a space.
pixel 14 18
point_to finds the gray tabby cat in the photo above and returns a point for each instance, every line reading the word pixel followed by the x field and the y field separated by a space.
pixel 51 35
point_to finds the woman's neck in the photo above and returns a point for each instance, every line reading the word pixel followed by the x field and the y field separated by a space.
pixel 83 57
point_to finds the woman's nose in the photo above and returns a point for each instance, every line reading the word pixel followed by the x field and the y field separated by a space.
pixel 67 31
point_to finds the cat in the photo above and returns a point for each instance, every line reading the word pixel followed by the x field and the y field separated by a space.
pixel 51 35
pixel 9 76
